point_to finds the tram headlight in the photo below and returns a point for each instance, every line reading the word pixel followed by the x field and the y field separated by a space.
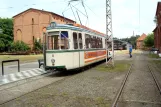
pixel 52 61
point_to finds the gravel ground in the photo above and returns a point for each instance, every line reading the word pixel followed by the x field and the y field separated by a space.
pixel 140 89
pixel 90 88
pixel 155 66
pixel 96 88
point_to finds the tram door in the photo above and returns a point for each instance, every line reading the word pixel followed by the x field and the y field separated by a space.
pixel 78 46
pixel 76 54
pixel 81 53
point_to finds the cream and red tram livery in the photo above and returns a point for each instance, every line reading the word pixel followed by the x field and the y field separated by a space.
pixel 73 46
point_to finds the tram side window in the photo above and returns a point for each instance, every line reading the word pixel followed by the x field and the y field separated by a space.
pixel 80 41
pixel 64 40
pixel 88 41
pixel 75 40
pixel 92 42
pixel 98 42
pixel 95 42
pixel 101 43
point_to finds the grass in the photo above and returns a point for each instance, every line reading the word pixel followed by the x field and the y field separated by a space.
pixel 120 66
pixel 126 51
pixel 153 55
pixel 22 58
pixel 157 64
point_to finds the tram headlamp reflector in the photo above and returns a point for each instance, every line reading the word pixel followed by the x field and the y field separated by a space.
pixel 52 60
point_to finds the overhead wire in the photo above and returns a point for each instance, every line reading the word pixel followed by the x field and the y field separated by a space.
pixel 85 11
pixel 24 5
pixel 77 10
pixel 73 12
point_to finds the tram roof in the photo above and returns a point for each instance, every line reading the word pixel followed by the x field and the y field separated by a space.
pixel 75 28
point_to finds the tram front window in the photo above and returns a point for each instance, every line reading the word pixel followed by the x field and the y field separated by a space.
pixel 58 40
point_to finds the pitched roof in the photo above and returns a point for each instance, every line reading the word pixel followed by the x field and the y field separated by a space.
pixel 43 11
pixel 142 37
pixel 155 29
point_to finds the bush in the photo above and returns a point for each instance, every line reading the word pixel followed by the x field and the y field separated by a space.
pixel 2 46
pixel 19 46
pixel 5 42
pixel 37 46
pixel 149 40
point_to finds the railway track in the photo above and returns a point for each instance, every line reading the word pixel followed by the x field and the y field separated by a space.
pixel 23 87
pixel 20 88
pixel 116 99
pixel 121 88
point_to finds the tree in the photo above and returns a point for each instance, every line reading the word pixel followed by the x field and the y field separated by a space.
pixel 5 42
pixel 131 40
pixel 155 20
pixel 6 24
pixel 6 38
pixel 149 40
pixel 37 46
pixel 19 46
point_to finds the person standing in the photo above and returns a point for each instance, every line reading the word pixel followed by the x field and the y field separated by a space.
pixel 130 51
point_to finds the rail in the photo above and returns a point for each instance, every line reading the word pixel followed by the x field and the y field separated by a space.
pixel 5 61
pixel 121 89
pixel 155 80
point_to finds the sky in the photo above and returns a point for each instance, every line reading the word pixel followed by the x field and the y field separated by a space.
pixel 125 13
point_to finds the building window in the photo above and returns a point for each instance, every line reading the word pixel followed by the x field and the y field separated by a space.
pixel 32 21
pixel 19 35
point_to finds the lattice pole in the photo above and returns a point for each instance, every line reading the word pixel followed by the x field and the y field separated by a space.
pixel 109 33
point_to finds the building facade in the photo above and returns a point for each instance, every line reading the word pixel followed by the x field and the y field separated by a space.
pixel 157 30
pixel 30 24
pixel 140 41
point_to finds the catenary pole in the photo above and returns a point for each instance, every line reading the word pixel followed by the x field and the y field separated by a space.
pixel 109 32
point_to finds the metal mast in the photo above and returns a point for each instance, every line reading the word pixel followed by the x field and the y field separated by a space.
pixel 109 33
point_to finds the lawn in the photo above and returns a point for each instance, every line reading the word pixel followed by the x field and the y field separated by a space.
pixel 156 63
pixel 126 51
pixel 153 55
pixel 119 66
pixel 22 58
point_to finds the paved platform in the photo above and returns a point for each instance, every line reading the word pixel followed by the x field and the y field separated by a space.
pixel 21 75
pixel 11 68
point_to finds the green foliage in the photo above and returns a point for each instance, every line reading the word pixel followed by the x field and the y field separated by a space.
pixel 37 46
pixel 6 24
pixel 155 20
pixel 149 40
pixel 120 66
pixel 5 42
pixel 153 55
pixel 131 40
pixel 2 45
pixel 6 37
pixel 19 46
